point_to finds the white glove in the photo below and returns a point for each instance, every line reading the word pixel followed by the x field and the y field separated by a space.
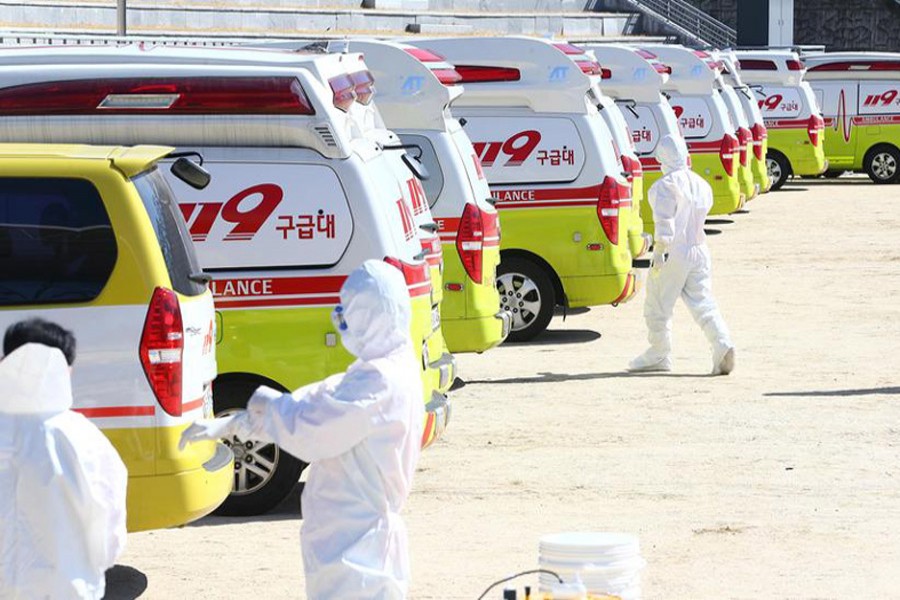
pixel 660 256
pixel 214 429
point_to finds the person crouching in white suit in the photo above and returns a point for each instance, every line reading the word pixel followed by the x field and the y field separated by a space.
pixel 361 433
pixel 681 200
pixel 62 506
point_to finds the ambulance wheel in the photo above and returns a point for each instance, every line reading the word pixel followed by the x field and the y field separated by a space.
pixel 526 292
pixel 778 167
pixel 882 164
pixel 264 474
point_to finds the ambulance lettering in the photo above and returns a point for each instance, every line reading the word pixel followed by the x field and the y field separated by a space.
pixel 417 193
pixel 407 219
pixel 517 147
pixel 513 195
pixel 241 287
pixel 886 99
pixel 247 210
pixel 777 103
pixel 306 226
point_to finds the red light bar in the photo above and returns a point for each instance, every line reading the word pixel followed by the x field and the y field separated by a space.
pixel 702 54
pixel 752 64
pixel 568 49
pixel 589 67
pixel 646 54
pixel 447 76
pixel 423 55
pixel 661 68
pixel 606 73
pixel 156 95
pixel 858 66
pixel 363 86
pixel 344 92
pixel 794 65
pixel 477 74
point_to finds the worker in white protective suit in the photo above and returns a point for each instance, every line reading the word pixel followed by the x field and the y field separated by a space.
pixel 62 506
pixel 361 433
pixel 681 268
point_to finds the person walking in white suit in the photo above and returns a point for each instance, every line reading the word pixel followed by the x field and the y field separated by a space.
pixel 681 200
pixel 361 432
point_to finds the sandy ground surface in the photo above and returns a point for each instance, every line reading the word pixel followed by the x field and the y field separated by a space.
pixel 780 481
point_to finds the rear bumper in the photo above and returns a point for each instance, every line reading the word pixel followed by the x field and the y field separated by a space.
pixel 808 165
pixel 158 501
pixel 596 290
pixel 476 335
pixel 437 417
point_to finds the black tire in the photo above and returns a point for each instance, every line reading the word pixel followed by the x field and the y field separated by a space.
pixel 882 164
pixel 779 169
pixel 263 494
pixel 514 274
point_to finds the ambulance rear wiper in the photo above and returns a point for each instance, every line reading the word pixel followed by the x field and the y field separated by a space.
pixel 429 227
pixel 630 104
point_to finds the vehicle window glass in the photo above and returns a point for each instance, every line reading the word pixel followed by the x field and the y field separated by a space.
pixel 645 130
pixel 56 241
pixel 735 111
pixel 435 182
pixel 695 118
pixel 174 240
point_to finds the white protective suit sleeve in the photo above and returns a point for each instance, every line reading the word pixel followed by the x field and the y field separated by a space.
pixel 665 194
pixel 62 514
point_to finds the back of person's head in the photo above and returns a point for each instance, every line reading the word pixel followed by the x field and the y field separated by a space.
pixel 39 331
pixel 672 153
pixel 376 309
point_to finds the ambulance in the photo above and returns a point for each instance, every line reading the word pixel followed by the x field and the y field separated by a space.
pixel 638 241
pixel 634 79
pixel 758 143
pixel 91 239
pixel 859 93
pixel 705 123
pixel 296 202
pixel 415 91
pixel 554 172
pixel 793 119
pixel 742 132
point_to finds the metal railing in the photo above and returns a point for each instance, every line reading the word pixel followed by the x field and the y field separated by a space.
pixel 689 21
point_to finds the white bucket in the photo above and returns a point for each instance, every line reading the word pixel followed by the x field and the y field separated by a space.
pixel 605 563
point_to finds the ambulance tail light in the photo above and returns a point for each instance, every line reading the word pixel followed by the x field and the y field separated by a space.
pixel 568 49
pixel 363 86
pixel 661 68
pixel 759 136
pixel 589 67
pixel 158 95
pixel 726 153
pixel 608 208
pixel 447 76
pixel 161 349
pixel 745 141
pixel 417 276
pixel 344 92
pixel 478 74
pixel 470 241
pixel 606 73
pixel 814 129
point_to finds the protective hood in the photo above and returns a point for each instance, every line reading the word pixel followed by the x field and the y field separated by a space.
pixel 376 310
pixel 34 379
pixel 672 154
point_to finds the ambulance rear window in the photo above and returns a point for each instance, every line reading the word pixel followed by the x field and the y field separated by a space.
pixel 57 244
pixel 174 240
pixel 435 182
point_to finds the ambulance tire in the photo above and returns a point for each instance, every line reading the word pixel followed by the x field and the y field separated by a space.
pixel 264 494
pixel 779 169
pixel 514 274
pixel 882 164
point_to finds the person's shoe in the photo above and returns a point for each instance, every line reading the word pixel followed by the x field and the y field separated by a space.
pixel 726 364
pixel 646 363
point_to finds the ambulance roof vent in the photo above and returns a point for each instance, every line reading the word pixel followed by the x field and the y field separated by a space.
pixel 326 135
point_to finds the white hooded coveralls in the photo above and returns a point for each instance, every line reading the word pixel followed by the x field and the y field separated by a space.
pixel 361 433
pixel 681 201
pixel 62 505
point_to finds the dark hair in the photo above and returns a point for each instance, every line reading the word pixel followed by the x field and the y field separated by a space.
pixel 39 331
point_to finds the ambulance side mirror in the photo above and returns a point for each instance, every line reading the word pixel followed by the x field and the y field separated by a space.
pixel 190 172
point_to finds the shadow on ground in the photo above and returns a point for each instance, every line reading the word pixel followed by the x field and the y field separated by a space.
pixel 719 221
pixel 288 509
pixel 124 583
pixel 790 188
pixel 561 336
pixel 563 377
pixel 712 231
pixel 857 392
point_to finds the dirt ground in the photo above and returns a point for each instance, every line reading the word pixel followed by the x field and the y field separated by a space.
pixel 780 481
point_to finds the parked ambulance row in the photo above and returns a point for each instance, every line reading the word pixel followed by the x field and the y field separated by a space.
pixel 322 155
